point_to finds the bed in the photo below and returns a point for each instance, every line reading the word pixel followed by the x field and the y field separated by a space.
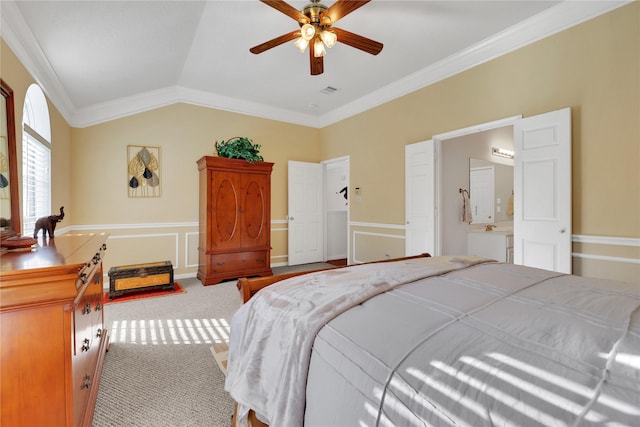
pixel 437 341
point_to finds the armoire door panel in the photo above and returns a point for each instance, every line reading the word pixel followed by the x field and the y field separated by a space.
pixel 226 209
pixel 254 214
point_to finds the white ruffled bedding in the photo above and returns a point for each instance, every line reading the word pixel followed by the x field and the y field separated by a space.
pixel 431 343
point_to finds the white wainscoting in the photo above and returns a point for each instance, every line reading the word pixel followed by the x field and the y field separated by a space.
pixel 608 241
pixel 375 241
pixel 149 242
pixel 191 249
pixel 181 240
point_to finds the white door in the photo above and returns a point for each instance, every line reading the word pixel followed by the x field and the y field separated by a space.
pixel 306 228
pixel 542 191
pixel 420 198
pixel 481 191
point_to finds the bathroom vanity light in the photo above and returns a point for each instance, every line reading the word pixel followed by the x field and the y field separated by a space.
pixel 502 152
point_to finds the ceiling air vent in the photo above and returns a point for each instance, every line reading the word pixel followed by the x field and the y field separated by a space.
pixel 329 90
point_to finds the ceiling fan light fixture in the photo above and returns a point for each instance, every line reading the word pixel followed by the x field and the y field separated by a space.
pixel 318 48
pixel 301 44
pixel 308 31
pixel 315 23
pixel 329 38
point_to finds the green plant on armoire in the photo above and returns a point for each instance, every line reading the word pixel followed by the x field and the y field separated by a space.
pixel 239 147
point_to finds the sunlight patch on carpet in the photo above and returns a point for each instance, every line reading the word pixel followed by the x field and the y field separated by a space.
pixel 170 331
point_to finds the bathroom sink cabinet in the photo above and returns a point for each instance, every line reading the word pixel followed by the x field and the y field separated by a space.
pixel 496 245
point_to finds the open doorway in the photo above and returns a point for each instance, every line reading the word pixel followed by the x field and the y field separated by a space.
pixel 542 190
pixel 318 217
pixel 467 164
pixel 336 208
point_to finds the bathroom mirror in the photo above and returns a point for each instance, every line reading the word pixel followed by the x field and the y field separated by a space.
pixel 9 199
pixel 491 191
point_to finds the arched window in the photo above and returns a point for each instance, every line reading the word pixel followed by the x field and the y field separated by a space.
pixel 36 158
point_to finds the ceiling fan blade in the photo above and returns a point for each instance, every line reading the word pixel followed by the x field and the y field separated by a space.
pixel 354 40
pixel 317 63
pixel 275 42
pixel 339 9
pixel 287 9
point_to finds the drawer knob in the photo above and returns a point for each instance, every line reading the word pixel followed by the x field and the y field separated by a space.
pixel 98 307
pixel 87 308
pixel 86 344
pixel 86 383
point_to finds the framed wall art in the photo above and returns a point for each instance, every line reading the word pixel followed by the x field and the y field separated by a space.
pixel 143 167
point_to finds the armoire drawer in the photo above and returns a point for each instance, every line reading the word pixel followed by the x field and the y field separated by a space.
pixel 239 261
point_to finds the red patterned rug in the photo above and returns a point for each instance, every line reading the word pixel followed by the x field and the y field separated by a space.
pixel 142 294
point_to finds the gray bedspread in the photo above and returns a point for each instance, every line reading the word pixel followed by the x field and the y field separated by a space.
pixel 494 344
pixel 478 344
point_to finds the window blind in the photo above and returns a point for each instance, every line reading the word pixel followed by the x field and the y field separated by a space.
pixel 36 160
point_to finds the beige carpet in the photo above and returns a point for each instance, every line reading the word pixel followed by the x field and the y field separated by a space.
pixel 219 352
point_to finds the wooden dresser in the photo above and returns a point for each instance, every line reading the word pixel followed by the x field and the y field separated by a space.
pixel 52 332
pixel 235 219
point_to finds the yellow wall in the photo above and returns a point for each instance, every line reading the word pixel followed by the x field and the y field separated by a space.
pixel 165 228
pixel 594 68
pixel 19 79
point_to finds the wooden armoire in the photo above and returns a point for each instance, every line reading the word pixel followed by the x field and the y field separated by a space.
pixel 235 219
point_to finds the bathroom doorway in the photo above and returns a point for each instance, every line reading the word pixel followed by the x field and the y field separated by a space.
pixel 542 190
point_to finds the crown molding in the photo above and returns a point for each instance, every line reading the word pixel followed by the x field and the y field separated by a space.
pixel 551 21
pixel 151 100
pixel 18 36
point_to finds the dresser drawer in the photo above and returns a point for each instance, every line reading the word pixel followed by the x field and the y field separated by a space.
pixel 239 261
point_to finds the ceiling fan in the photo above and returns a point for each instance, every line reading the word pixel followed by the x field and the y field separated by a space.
pixel 316 30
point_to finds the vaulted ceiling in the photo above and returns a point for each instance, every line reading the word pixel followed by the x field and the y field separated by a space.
pixel 99 60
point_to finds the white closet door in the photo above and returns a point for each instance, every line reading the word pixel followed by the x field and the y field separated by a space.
pixel 420 198
pixel 306 225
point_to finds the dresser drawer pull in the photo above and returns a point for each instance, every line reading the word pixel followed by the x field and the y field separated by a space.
pixel 86 383
pixel 98 307
pixel 87 308
pixel 86 344
pixel 260 260
pixel 99 333
pixel 220 263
